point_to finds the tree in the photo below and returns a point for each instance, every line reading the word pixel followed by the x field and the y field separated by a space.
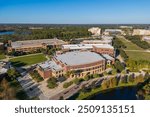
pixel 139 78
pixel 147 76
pixel 77 81
pixel 12 73
pixel 105 84
pixel 124 79
pixel 52 83
pixel 67 84
pixel 7 93
pixel 131 78
pixel 113 82
pixel 119 66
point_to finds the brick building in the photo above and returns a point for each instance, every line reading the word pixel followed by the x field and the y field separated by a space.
pixel 79 63
pixel 33 45
pixel 98 48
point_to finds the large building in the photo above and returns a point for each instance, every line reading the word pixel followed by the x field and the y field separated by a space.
pixel 141 32
pixel 78 63
pixel 113 32
pixel 33 45
pixel 146 38
pixel 96 31
pixel 98 48
pixel 97 42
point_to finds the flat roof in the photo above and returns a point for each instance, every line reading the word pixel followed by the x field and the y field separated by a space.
pixel 98 41
pixel 106 46
pixel 19 44
pixel 86 46
pixel 50 65
pixel 106 56
pixel 79 58
pixel 113 30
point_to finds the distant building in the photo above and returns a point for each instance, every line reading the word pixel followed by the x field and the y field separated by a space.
pixel 33 45
pixel 80 63
pixel 35 28
pixel 104 37
pixel 99 48
pixel 113 32
pixel 96 31
pixel 141 32
pixel 97 42
pixel 126 27
pixel 146 38
pixel 3 67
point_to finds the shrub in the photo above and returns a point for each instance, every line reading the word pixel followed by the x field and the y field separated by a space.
pixel 67 84
pixel 52 83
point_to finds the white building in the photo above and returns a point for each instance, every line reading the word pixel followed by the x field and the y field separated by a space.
pixel 141 32
pixel 113 31
pixel 3 67
pixel 126 27
pixel 146 38
pixel 96 31
pixel 97 42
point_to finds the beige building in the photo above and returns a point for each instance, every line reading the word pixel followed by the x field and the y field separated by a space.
pixel 33 45
pixel 78 63
pixel 141 32
pixel 96 31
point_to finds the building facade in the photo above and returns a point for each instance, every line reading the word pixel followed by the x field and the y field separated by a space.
pixel 33 45
pixel 77 63
pixel 98 48
pixel 141 32
pixel 96 31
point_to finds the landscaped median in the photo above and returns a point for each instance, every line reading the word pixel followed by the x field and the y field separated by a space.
pixel 28 60
pixel 109 84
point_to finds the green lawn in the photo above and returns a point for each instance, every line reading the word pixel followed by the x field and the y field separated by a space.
pixel 28 60
pixel 138 55
pixel 130 45
pixel 2 56
pixel 135 55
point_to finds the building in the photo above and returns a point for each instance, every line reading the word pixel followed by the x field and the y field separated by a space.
pixel 99 48
pixel 97 42
pixel 78 63
pixel 146 38
pixel 96 31
pixel 104 37
pixel 126 27
pixel 4 66
pixel 109 60
pixel 141 32
pixel 113 32
pixel 33 45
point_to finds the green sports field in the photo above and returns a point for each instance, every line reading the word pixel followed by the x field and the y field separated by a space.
pixel 28 60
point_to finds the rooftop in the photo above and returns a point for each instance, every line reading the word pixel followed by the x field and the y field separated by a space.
pixel 19 44
pixel 50 65
pixel 106 56
pixel 79 58
pixel 113 30
pixel 86 46
pixel 97 41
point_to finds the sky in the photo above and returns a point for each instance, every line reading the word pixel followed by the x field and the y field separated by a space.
pixel 75 11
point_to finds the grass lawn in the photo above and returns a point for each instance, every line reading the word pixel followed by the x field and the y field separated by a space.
pixel 2 56
pixel 130 45
pixel 28 60
pixel 138 55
